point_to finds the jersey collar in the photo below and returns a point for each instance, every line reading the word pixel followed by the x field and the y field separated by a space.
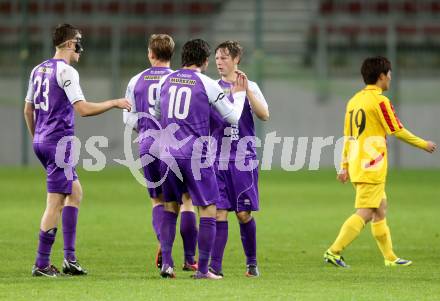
pixel 374 88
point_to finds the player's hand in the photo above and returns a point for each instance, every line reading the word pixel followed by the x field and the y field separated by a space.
pixel 123 103
pixel 431 147
pixel 241 73
pixel 240 84
pixel 343 176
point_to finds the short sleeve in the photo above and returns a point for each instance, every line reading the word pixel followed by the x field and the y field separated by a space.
pixel 129 93
pixel 253 86
pixel 30 91
pixel 68 80
pixel 131 117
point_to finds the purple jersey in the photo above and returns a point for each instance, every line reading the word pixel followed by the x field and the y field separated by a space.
pixel 53 89
pixel 224 131
pixel 185 98
pixel 141 91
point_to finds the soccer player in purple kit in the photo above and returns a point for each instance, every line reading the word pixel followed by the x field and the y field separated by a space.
pixel 185 98
pixel 53 95
pixel 238 186
pixel 141 91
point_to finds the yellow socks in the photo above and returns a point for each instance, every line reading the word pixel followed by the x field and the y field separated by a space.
pixel 349 231
pixel 381 233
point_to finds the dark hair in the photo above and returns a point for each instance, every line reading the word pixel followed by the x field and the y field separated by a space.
pixel 162 45
pixel 64 32
pixel 233 47
pixel 373 67
pixel 195 52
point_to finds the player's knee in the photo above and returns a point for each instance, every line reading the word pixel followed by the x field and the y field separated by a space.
pixel 208 211
pixel 366 214
pixel 379 214
pixel 187 207
pixel 74 199
pixel 171 207
pixel 54 208
pixel 244 217
pixel 222 215
pixel 156 202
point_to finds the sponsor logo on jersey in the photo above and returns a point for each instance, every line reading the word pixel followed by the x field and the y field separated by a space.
pixel 161 72
pixel 182 81
pixel 227 91
pixel 45 70
pixel 233 132
pixel 152 77
pixel 184 75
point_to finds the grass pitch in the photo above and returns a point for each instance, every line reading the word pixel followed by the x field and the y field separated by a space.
pixel 301 213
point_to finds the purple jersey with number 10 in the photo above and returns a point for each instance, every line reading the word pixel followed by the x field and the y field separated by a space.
pixel 185 99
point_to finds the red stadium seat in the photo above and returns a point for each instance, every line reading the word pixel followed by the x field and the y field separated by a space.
pixel 86 7
pixel 327 7
pixel 59 7
pixel 6 8
pixel 410 7
pixel 435 7
pixel 354 7
pixel 168 8
pixel 406 29
pixel 381 7
pixel 432 30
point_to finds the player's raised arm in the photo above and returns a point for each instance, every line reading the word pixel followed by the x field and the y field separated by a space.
pixel 256 99
pixel 394 127
pixel 231 112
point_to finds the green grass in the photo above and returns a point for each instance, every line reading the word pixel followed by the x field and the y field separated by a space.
pixel 301 213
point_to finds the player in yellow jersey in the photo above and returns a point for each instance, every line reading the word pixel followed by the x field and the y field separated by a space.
pixel 369 117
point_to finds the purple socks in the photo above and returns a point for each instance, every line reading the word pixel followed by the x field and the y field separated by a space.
pixel 206 238
pixel 221 239
pixel 156 219
pixel 167 235
pixel 188 230
pixel 248 233
pixel 46 240
pixel 69 220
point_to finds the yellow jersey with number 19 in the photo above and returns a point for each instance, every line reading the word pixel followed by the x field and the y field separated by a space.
pixel 369 117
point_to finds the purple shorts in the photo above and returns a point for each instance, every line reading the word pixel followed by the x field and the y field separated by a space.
pixel 238 189
pixel 203 192
pixel 152 175
pixel 58 179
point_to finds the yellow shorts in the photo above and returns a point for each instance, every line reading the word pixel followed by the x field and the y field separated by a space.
pixel 369 195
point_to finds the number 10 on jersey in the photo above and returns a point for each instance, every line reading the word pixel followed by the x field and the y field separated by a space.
pixel 177 96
